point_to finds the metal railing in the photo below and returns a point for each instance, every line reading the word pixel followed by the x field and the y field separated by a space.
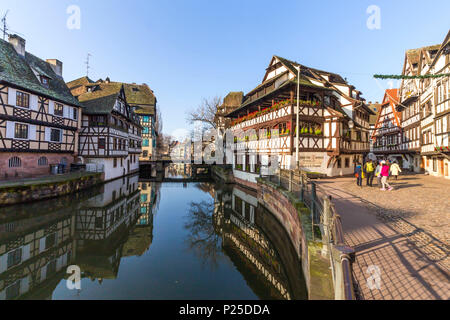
pixel 325 218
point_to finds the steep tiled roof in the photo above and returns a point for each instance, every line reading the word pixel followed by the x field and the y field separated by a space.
pixel 291 65
pixel 376 109
pixel 102 100
pixel 233 99
pixel 391 96
pixel 17 70
pixel 79 82
pixel 139 94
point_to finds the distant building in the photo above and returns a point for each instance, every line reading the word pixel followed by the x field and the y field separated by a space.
pixel 388 134
pixel 375 107
pixel 39 118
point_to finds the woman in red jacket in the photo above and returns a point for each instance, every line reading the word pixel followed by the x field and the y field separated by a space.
pixel 384 176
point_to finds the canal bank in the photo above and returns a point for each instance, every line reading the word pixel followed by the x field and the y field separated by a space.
pixel 313 226
pixel 22 191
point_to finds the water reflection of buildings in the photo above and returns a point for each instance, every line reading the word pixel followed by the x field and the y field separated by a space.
pixel 34 253
pixel 258 245
pixel 93 231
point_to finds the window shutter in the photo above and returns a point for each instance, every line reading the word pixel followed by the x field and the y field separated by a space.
pixel 43 273
pixel 32 132
pixel 24 285
pixel 9 129
pixel 42 245
pixel 33 102
pixel 66 112
pixel 47 134
pixel 12 96
pixel 26 252
pixel 51 107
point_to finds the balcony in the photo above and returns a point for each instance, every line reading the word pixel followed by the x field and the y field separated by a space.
pixel 383 131
pixel 429 148
pixel 427 120
pixel 390 148
pixel 279 110
pixel 411 120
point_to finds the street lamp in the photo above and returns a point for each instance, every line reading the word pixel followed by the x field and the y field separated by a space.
pixel 351 124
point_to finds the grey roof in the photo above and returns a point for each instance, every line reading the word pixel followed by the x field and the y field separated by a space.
pixel 17 71
pixel 101 101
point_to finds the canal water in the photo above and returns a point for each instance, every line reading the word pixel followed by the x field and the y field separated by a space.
pixel 140 239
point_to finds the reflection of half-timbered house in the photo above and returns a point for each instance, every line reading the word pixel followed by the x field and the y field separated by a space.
pixel 110 131
pixel 39 118
pixel 333 127
pixel 102 227
pixel 388 133
pixel 248 239
pixel 34 254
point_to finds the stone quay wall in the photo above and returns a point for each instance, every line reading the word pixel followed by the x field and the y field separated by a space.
pixel 39 190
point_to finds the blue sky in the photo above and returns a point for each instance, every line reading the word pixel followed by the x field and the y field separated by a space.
pixel 188 50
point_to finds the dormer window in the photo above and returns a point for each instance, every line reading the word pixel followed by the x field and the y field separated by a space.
pixel 433 53
pixel 44 81
pixel 92 88
pixel 135 89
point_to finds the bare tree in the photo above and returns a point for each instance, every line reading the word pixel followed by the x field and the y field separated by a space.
pixel 203 237
pixel 206 113
pixel 158 120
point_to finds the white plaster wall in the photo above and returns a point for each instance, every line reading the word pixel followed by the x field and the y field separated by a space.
pixel 110 171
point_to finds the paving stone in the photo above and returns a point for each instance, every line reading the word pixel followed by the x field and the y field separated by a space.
pixel 404 232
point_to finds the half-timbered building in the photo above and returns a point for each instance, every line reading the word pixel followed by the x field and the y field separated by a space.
pixel 110 133
pixel 333 126
pixel 143 101
pixel 435 109
pixel 388 134
pixel 39 117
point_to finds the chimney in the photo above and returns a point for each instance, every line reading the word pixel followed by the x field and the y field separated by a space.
pixel 18 43
pixel 56 65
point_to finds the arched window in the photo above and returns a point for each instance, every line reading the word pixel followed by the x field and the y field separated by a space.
pixel 42 161
pixel 15 162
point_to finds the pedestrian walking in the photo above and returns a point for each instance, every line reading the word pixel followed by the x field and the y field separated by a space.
pixel 395 170
pixel 358 174
pixel 370 172
pixel 385 176
pixel 378 173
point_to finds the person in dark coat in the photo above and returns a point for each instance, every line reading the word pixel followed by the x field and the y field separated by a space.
pixel 358 174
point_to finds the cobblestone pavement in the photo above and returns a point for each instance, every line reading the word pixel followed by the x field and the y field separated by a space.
pixel 404 233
